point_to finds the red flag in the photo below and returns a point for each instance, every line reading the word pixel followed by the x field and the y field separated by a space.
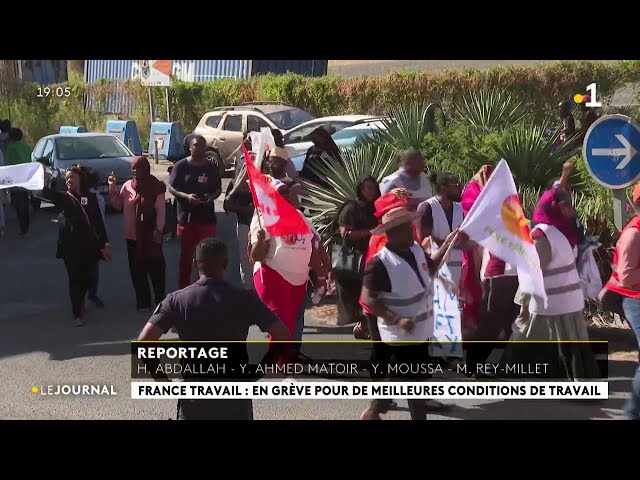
pixel 279 217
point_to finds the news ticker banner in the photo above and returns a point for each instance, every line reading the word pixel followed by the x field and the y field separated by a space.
pixel 228 361
pixel 354 390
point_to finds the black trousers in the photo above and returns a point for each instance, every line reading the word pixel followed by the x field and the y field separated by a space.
pixel 94 280
pixel 497 313
pixel 79 271
pixel 152 268
pixel 349 309
pixel 20 201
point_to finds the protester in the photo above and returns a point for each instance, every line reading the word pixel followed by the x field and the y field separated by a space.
pixel 440 215
pixel 398 289
pixel 282 264
pixel 410 176
pixel 356 219
pixel 2 199
pixel 5 127
pixel 590 114
pixel 470 278
pixel 239 200
pixel 82 238
pixel 17 152
pixel 323 144
pixel 276 166
pixel 290 169
pixel 625 281
pixel 214 311
pixel 380 352
pixel 144 211
pixel 568 122
pixel 555 237
pixel 195 183
pixel 93 179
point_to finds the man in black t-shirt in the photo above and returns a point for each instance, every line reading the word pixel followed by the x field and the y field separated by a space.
pixel 195 183
pixel 213 310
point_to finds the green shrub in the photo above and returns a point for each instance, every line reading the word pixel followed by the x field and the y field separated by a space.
pixel 539 88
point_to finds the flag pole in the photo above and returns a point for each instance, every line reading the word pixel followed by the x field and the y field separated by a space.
pixel 247 158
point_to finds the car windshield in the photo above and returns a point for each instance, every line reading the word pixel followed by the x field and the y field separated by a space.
pixel 351 134
pixel 289 118
pixel 82 148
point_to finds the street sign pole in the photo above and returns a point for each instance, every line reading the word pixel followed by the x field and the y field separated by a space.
pixel 610 152
pixel 620 208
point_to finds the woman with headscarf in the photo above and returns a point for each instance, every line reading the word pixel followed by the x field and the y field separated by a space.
pixel 143 207
pixel 322 144
pixel 556 237
pixel 356 219
pixel 488 288
pixel 82 238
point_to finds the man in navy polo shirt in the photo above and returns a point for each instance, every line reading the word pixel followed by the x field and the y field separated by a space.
pixel 215 311
pixel 195 183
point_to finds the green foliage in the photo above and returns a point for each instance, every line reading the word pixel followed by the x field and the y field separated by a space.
pixel 324 203
pixel 530 153
pixel 490 110
pixel 487 125
pixel 539 88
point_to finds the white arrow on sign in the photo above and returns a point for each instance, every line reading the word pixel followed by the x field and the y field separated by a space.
pixel 628 151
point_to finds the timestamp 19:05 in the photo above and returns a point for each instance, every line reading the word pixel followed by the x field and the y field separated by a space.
pixel 54 92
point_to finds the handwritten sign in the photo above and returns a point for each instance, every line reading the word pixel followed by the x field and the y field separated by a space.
pixel 447 326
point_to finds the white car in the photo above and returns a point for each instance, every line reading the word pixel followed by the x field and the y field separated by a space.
pixel 297 141
pixel 345 138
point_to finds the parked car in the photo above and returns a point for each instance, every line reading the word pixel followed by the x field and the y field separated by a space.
pixel 346 138
pixel 224 127
pixel 102 152
pixel 297 140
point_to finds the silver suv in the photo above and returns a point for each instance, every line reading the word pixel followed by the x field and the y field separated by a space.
pixel 225 127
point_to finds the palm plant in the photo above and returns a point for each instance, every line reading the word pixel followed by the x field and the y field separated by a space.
pixel 532 155
pixel 490 110
pixel 409 125
pixel 324 203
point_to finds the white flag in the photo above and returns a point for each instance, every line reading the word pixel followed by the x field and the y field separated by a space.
pixel 261 142
pixel 25 175
pixel 497 222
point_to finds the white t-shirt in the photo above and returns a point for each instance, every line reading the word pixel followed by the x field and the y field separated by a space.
pixel 289 256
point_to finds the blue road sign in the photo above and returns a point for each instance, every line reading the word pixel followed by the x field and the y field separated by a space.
pixel 610 151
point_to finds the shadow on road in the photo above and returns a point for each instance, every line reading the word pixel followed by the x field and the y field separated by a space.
pixel 36 312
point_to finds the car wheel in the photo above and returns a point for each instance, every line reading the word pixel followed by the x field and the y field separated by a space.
pixel 215 158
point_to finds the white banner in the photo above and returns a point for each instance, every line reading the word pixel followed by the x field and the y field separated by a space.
pixel 287 390
pixel 261 142
pixel 496 221
pixel 25 175
pixel 447 321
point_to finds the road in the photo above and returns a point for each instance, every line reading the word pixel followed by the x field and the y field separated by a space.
pixel 39 345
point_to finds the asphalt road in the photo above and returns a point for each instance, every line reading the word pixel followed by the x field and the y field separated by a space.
pixel 39 346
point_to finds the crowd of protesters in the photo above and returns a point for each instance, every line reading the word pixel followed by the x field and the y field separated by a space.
pixel 403 228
